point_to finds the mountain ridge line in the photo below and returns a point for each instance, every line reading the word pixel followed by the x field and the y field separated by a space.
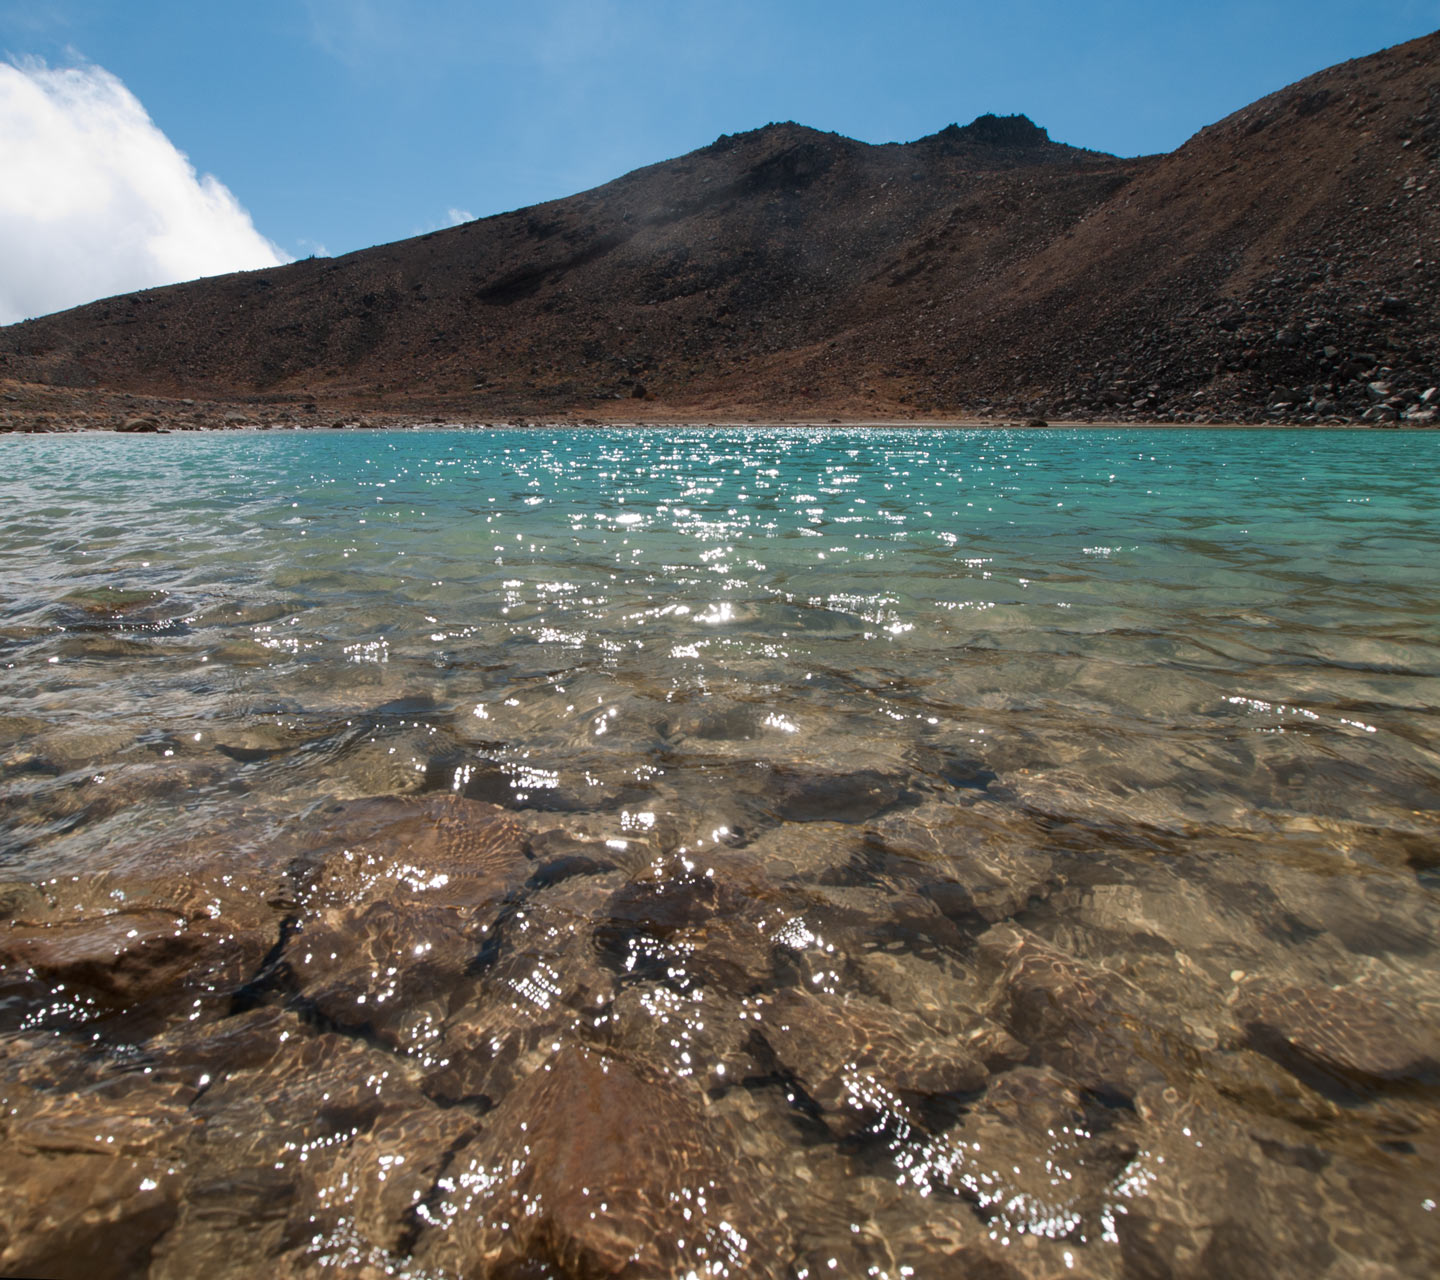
pixel 1281 265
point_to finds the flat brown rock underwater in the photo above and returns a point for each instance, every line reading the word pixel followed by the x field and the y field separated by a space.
pixel 424 1036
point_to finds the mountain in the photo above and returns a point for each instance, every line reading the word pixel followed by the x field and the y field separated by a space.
pixel 1282 264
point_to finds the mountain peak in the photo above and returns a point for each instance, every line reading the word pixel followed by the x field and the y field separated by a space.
pixel 995 131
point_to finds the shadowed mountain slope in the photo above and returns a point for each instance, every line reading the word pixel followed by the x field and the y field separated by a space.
pixel 1281 264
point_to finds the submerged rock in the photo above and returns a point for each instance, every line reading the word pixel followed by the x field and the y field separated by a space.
pixel 395 895
pixel 142 965
pixel 596 1167
pixel 391 972
pixel 1095 1027
pixel 1338 1037
pixel 92 1151
pixel 93 1214
pixel 433 851
pixel 852 1054
pixel 978 863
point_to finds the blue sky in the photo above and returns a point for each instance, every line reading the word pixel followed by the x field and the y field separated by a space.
pixel 343 123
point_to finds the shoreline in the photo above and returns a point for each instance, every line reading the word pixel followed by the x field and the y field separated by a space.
pixel 524 423
pixel 42 409
pixel 768 424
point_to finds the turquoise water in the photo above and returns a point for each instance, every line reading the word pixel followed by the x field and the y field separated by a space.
pixel 1076 783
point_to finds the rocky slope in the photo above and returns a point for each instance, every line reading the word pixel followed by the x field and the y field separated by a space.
pixel 1281 265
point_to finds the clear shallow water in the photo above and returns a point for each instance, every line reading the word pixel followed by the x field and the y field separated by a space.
pixel 913 848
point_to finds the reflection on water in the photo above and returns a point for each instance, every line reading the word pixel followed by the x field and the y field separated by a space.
pixel 779 853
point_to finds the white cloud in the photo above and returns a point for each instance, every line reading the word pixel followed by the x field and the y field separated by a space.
pixel 96 200
pixel 457 216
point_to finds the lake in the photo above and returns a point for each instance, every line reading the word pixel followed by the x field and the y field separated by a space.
pixel 728 851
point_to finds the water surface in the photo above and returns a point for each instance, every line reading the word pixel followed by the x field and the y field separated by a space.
pixel 775 852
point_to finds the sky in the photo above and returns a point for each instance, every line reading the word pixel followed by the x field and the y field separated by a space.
pixel 147 141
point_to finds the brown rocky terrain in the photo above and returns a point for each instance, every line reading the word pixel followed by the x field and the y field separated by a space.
pixel 1281 265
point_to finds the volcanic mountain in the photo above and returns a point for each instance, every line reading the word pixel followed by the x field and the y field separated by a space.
pixel 1283 264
